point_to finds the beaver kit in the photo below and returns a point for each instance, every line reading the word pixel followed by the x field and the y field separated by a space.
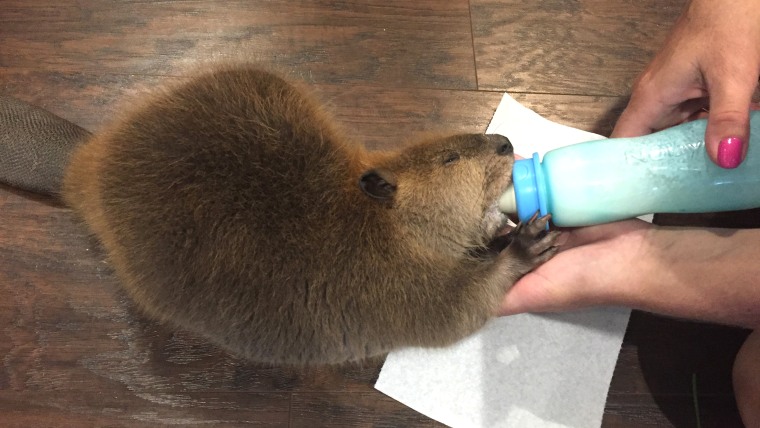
pixel 232 206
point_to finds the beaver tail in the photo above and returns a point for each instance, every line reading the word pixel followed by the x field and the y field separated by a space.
pixel 35 146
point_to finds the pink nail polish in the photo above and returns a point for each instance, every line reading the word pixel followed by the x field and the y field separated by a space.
pixel 730 152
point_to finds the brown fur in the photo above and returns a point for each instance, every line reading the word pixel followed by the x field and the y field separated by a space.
pixel 232 206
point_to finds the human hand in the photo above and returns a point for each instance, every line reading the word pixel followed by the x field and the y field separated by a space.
pixel 711 57
pixel 695 273
pixel 592 268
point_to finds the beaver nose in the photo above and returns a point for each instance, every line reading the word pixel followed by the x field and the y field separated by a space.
pixel 502 143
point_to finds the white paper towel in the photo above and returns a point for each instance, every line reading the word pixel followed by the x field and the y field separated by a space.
pixel 524 371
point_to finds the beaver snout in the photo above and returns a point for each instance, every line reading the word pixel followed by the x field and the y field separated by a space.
pixel 502 144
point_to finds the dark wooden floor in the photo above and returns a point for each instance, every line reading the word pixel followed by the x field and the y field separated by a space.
pixel 75 353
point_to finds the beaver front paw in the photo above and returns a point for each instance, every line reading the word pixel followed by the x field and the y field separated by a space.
pixel 531 244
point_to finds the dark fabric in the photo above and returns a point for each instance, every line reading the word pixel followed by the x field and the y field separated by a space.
pixel 35 146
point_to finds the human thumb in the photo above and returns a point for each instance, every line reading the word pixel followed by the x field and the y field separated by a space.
pixel 727 134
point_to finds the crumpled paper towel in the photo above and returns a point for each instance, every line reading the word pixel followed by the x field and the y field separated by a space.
pixel 524 371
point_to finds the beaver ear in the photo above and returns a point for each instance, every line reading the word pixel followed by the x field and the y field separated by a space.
pixel 378 184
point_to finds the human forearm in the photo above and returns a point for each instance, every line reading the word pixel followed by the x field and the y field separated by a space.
pixel 707 274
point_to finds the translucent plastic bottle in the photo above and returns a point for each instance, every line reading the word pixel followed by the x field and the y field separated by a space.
pixel 602 181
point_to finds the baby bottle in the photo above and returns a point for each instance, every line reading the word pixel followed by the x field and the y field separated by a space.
pixel 607 180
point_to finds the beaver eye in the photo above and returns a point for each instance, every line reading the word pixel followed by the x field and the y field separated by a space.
pixel 450 158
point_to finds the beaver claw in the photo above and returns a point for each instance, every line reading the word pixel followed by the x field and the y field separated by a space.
pixel 531 243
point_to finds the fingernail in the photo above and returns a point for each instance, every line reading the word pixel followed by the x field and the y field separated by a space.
pixel 730 152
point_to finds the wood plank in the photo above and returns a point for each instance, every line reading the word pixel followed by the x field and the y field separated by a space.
pixel 660 356
pixel 425 43
pixel 143 409
pixel 377 116
pixel 591 113
pixel 353 410
pixel 588 47
pixel 644 410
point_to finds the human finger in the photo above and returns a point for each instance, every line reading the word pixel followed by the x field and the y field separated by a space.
pixel 727 133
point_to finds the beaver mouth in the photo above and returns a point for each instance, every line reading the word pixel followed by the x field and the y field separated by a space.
pixel 496 230
pixel 496 242
pixel 494 220
pixel 496 224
